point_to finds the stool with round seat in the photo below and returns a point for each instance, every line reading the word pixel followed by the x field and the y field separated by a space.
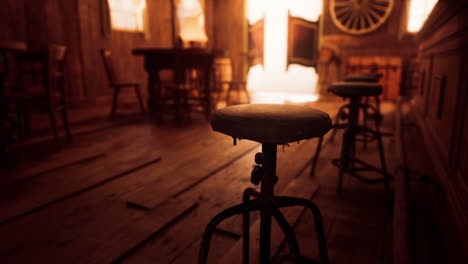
pixel 369 77
pixel 270 125
pixel 370 112
pixel 347 162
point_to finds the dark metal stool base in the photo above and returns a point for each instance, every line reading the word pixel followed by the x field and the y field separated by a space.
pixel 268 205
pixel 273 206
pixel 357 133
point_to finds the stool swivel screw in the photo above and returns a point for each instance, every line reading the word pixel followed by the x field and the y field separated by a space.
pixel 259 158
pixel 257 172
pixel 256 175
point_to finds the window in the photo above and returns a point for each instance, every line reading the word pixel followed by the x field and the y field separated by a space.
pixel 419 10
pixel 191 21
pixel 127 14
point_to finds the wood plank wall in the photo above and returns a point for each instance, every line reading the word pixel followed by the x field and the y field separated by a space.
pixel 230 28
pixel 442 103
pixel 77 24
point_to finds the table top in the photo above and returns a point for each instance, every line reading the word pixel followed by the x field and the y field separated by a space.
pixel 168 51
pixel 12 45
pixel 177 59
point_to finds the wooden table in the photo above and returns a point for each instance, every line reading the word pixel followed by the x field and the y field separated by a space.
pixel 178 60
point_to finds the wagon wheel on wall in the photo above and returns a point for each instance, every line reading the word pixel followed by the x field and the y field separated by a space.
pixel 360 16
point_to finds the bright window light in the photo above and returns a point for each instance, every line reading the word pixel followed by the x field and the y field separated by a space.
pixel 418 12
pixel 273 83
pixel 127 14
pixel 191 21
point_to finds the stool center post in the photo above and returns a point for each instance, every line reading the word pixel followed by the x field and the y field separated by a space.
pixel 354 111
pixel 269 170
pixel 267 187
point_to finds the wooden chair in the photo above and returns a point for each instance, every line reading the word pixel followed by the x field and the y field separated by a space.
pixel 116 84
pixel 41 88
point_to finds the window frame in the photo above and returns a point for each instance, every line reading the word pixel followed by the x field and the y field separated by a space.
pixel 140 26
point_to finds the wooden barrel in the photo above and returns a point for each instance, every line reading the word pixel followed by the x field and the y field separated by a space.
pixel 223 69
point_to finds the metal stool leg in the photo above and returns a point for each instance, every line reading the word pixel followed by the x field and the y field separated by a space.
pixel 338 116
pixel 249 206
pixel 288 232
pixel 316 157
pixel 286 201
pixel 246 224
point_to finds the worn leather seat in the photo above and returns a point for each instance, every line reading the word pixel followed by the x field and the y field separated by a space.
pixel 271 123
pixel 350 89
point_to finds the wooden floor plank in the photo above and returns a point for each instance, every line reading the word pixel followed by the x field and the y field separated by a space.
pixel 22 197
pixel 107 231
pixel 125 151
pixel 202 161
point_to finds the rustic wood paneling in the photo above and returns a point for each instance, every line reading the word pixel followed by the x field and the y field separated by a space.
pixel 12 20
pixel 230 32
pixel 77 24
pixel 444 41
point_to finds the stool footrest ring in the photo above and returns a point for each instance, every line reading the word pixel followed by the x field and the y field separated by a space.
pixel 365 167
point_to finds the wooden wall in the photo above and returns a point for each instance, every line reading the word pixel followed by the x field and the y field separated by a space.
pixel 388 40
pixel 230 28
pixel 441 103
pixel 77 24
pixel 42 22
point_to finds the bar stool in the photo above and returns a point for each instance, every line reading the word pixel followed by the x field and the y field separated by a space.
pixel 270 125
pixel 347 162
pixel 370 112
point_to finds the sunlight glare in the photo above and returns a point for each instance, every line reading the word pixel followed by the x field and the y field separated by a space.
pixel 298 81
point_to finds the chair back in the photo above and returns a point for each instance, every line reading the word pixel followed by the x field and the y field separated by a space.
pixel 56 71
pixel 43 71
pixel 109 66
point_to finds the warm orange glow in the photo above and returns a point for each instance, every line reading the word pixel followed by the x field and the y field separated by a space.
pixel 191 21
pixel 418 12
pixel 272 83
pixel 127 14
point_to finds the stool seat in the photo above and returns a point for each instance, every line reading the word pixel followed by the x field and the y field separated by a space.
pixel 271 123
pixel 363 77
pixel 351 89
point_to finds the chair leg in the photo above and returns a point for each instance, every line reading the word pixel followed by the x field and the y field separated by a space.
pixel 53 124
pixel 286 201
pixel 3 130
pixel 316 157
pixel 140 98
pixel 114 101
pixel 249 206
pixel 66 124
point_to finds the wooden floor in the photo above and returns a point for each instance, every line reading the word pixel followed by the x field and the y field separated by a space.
pixel 139 192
